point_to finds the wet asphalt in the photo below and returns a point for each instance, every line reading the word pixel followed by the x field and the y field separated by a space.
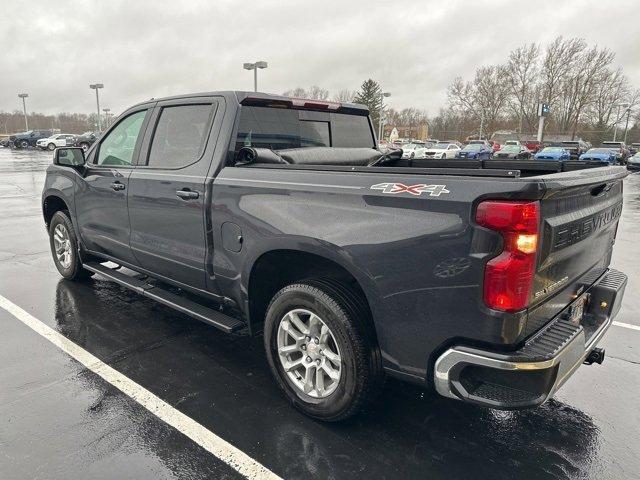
pixel 59 420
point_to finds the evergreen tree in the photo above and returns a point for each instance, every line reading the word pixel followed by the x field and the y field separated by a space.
pixel 370 94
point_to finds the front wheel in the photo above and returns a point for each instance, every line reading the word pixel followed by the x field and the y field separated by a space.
pixel 444 155
pixel 319 349
pixel 51 146
pixel 64 248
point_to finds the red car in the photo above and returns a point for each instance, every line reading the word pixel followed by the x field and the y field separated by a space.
pixel 496 146
pixel 533 146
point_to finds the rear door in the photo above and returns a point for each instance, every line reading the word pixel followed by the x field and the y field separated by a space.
pixel 167 191
pixel 101 200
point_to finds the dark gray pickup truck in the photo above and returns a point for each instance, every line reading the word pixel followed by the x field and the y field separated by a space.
pixel 488 281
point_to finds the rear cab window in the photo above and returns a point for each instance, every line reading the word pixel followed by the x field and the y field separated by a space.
pixel 281 128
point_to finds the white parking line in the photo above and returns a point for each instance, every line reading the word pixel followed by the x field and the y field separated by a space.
pixel 208 440
pixel 627 325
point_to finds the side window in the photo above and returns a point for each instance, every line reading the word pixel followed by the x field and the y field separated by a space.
pixel 180 136
pixel 118 146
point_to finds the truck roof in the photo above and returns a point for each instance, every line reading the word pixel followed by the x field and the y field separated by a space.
pixel 255 98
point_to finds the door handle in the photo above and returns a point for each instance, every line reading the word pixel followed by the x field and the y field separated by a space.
pixel 117 186
pixel 187 194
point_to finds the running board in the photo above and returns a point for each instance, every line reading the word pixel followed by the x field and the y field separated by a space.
pixel 189 307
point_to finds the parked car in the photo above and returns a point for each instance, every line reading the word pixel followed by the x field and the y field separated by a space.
pixel 518 152
pixel 552 153
pixel 441 150
pixel 85 140
pixel 476 151
pixel 620 148
pixel 634 148
pixel 533 146
pixel 409 150
pixel 512 142
pixel 633 163
pixel 602 154
pixel 495 146
pixel 28 139
pixel 57 140
pixel 486 285
pixel 575 148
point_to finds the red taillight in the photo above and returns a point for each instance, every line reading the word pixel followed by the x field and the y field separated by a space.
pixel 508 278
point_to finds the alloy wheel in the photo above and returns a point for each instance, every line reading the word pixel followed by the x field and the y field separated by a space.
pixel 62 245
pixel 308 353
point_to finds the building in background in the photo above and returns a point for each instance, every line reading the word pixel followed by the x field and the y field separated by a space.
pixel 419 131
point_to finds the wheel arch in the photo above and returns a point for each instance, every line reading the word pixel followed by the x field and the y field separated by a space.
pixel 273 269
pixel 51 204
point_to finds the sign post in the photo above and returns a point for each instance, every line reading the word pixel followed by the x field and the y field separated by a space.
pixel 543 111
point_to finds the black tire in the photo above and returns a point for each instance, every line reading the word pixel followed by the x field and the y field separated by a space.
pixel 51 146
pixel 24 144
pixel 74 270
pixel 346 314
pixel 444 156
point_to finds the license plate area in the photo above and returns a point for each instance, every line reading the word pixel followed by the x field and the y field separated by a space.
pixel 577 310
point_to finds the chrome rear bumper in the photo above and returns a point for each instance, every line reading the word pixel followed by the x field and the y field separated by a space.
pixel 531 375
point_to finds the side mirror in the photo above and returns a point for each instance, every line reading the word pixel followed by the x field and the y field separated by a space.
pixel 69 157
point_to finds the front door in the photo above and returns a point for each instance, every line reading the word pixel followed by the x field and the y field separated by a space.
pixel 167 191
pixel 101 199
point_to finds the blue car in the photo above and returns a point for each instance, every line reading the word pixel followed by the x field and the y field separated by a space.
pixel 558 154
pixel 475 151
pixel 602 154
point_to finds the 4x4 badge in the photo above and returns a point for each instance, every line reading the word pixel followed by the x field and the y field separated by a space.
pixel 419 189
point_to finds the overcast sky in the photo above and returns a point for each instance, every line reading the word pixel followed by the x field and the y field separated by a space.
pixel 142 49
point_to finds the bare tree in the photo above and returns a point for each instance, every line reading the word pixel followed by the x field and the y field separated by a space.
pixel 345 95
pixel 485 97
pixel 521 71
pixel 316 93
pixel 297 92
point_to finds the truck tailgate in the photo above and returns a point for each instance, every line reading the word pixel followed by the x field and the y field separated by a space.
pixel 580 216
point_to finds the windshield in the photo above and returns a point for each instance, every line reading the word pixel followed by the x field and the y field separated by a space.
pixel 410 146
pixel 510 148
pixel 552 149
pixel 441 146
pixel 472 147
pixel 600 150
pixel 278 129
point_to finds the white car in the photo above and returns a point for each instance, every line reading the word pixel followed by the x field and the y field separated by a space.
pixel 409 150
pixel 439 150
pixel 57 140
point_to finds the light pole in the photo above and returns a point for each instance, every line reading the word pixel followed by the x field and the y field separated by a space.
pixel 106 116
pixel 255 66
pixel 615 125
pixel 24 108
pixel 380 130
pixel 626 126
pixel 96 87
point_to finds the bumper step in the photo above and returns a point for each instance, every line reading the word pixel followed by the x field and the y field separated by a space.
pixel 182 304
pixel 529 376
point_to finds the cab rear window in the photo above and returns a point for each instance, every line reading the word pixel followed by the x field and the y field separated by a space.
pixel 279 128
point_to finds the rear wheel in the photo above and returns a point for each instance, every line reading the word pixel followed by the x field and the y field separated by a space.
pixel 51 146
pixel 64 248
pixel 319 350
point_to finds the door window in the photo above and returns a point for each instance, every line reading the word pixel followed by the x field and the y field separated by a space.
pixel 180 136
pixel 117 147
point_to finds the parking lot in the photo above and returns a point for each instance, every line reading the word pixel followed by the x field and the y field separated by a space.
pixel 60 419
